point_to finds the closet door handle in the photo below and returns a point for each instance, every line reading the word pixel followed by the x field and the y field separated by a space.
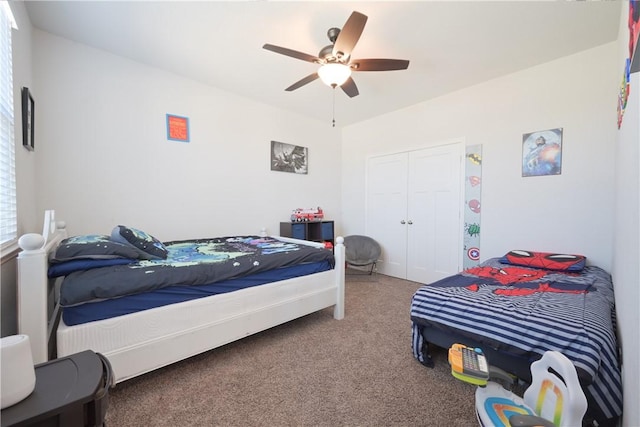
pixel 402 222
pixel 410 222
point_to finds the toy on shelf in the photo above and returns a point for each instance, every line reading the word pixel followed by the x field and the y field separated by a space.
pixel 308 214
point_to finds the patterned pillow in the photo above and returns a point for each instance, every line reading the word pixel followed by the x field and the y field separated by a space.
pixel 93 246
pixel 545 260
pixel 139 240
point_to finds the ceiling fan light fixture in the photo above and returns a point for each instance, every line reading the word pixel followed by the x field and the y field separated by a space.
pixel 333 74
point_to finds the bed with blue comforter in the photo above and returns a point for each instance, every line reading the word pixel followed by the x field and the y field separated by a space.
pixel 145 304
pixel 112 280
pixel 517 311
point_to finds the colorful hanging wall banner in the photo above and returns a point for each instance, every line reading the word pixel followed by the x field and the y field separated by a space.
pixel 472 195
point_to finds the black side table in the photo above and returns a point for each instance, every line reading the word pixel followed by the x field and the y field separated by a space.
pixel 72 391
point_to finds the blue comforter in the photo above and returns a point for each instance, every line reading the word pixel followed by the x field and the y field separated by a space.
pixel 189 262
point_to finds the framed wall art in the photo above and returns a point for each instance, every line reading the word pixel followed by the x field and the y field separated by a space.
pixel 632 63
pixel 28 120
pixel 177 128
pixel 289 158
pixel 634 35
pixel 542 153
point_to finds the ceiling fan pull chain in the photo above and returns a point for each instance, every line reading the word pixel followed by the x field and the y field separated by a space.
pixel 334 107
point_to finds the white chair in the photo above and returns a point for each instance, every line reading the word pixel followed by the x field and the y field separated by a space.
pixel 554 397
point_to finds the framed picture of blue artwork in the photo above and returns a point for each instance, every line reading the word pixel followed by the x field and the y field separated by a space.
pixel 542 153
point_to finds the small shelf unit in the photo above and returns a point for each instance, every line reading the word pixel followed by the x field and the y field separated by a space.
pixel 315 231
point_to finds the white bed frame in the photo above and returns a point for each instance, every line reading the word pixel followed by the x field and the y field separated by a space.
pixel 141 342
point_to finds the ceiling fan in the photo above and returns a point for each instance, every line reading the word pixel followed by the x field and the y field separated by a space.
pixel 335 59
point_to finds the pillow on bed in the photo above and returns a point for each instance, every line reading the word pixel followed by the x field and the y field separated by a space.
pixel 94 246
pixel 546 260
pixel 140 240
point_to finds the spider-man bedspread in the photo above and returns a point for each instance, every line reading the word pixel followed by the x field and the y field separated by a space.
pixel 530 311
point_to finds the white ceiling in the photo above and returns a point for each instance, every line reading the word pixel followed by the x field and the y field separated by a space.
pixel 451 44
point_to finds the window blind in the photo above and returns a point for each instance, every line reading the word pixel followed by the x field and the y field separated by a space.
pixel 8 214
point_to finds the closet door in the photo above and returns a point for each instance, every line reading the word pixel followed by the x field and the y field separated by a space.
pixel 414 212
pixel 387 211
pixel 433 213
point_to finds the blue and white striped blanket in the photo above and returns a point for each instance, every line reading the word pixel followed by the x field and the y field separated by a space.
pixel 532 310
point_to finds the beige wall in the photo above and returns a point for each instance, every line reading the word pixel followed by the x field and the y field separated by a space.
pixel 571 212
pixel 107 161
pixel 28 216
pixel 626 248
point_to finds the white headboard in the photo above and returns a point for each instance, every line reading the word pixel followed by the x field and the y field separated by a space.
pixel 37 302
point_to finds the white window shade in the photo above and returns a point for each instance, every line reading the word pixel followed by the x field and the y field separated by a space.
pixel 8 215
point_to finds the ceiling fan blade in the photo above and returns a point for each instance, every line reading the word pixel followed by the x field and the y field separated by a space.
pixel 302 82
pixel 292 53
pixel 379 64
pixel 349 87
pixel 349 35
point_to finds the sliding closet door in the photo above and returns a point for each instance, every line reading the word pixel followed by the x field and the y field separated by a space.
pixel 387 211
pixel 433 213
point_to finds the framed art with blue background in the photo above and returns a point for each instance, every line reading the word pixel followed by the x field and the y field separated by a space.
pixel 542 153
